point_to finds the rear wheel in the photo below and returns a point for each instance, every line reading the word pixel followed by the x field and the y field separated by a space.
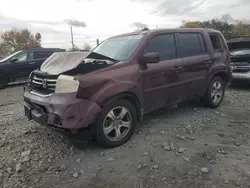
pixel 215 92
pixel 3 81
pixel 116 123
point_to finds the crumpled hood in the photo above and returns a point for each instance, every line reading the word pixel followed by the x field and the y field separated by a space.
pixel 60 62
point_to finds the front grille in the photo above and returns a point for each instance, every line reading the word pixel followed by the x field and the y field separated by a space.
pixel 42 83
pixel 241 71
pixel 240 66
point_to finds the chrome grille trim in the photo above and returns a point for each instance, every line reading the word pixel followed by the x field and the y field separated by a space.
pixel 49 84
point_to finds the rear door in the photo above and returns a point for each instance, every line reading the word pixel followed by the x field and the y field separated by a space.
pixel 158 79
pixel 194 66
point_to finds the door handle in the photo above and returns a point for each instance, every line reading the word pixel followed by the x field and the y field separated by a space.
pixel 177 68
pixel 31 63
pixel 208 62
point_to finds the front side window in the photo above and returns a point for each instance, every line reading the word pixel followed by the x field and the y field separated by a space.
pixel 119 48
pixel 191 44
pixel 10 56
pixel 26 56
pixel 164 44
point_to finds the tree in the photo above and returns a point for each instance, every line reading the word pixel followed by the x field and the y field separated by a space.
pixel 227 25
pixel 225 28
pixel 86 47
pixel 195 24
pixel 14 40
pixel 242 29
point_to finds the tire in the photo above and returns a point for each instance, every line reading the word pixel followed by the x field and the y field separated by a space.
pixel 115 123
pixel 3 81
pixel 215 89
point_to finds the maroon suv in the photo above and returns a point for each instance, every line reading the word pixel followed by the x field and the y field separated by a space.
pixel 105 92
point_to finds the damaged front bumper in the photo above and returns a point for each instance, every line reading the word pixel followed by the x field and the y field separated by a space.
pixel 61 111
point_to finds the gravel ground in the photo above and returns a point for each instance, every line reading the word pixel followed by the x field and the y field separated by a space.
pixel 189 146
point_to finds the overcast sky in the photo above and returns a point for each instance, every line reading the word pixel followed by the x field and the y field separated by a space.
pixel 103 18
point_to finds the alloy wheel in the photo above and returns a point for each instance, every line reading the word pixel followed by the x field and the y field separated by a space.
pixel 217 92
pixel 117 123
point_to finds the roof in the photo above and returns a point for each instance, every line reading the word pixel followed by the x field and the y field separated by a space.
pixel 45 49
pixel 155 31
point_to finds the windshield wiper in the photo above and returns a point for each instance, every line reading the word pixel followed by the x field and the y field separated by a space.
pixel 100 61
pixel 95 55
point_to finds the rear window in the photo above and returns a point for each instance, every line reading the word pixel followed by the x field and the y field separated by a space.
pixel 191 44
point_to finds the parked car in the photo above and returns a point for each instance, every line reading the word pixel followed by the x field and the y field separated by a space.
pixel 240 56
pixel 18 66
pixel 107 91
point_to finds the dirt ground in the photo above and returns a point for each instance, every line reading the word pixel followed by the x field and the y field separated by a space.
pixel 185 147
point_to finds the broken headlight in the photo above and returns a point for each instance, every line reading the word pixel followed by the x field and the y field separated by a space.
pixel 66 84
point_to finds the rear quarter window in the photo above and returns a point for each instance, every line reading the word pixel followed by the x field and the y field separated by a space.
pixel 191 44
pixel 217 42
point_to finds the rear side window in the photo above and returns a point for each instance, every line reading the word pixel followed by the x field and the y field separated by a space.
pixel 164 44
pixel 191 44
pixel 42 54
pixel 216 42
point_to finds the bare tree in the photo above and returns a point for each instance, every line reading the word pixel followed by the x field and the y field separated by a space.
pixel 14 40
pixel 86 47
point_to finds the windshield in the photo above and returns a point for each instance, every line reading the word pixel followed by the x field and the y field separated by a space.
pixel 119 48
pixel 10 56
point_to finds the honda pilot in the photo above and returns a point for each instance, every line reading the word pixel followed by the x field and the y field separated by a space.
pixel 105 92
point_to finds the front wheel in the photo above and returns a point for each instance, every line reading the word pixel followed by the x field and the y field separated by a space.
pixel 116 123
pixel 215 92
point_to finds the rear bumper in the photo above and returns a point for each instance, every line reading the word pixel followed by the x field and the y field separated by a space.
pixel 61 111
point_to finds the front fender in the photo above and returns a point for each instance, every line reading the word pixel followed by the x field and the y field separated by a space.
pixel 105 89
pixel 107 92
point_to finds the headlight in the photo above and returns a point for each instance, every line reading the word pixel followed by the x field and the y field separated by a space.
pixel 66 84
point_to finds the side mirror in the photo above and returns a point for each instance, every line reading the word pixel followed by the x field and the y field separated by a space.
pixel 150 57
pixel 13 60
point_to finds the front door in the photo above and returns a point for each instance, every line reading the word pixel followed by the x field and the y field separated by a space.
pixel 158 80
pixel 22 66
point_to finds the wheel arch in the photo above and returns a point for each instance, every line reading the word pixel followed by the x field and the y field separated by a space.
pixel 129 96
pixel 225 76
